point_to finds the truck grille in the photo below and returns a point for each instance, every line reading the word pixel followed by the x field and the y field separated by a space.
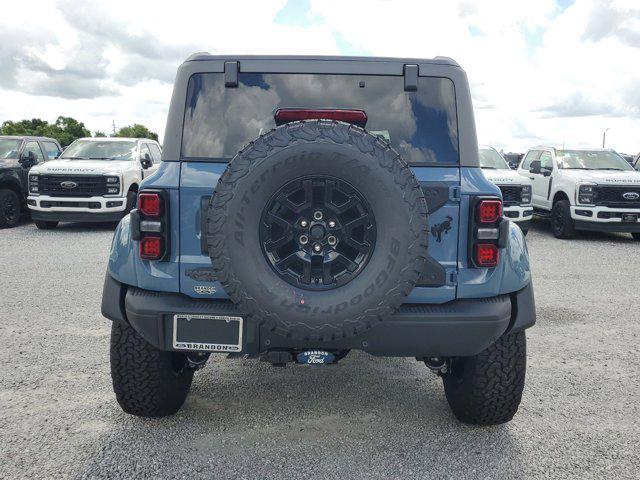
pixel 511 194
pixel 614 196
pixel 86 185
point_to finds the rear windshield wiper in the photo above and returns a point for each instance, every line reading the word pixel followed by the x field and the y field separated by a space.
pixel 72 158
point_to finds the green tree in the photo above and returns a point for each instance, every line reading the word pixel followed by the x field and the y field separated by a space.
pixel 65 129
pixel 137 131
pixel 98 133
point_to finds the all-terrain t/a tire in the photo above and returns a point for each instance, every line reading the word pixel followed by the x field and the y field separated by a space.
pixel 10 208
pixel 45 224
pixel 562 224
pixel 315 158
pixel 147 382
pixel 486 389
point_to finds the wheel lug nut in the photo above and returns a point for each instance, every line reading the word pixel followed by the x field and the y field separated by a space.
pixel 332 224
pixel 332 240
pixel 303 223
pixel 317 215
pixel 304 239
pixel 317 248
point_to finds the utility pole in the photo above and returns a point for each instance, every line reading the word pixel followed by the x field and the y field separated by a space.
pixel 113 124
pixel 604 137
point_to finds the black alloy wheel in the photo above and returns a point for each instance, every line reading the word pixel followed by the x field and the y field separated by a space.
pixel 317 232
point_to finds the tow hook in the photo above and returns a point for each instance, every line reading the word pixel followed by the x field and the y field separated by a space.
pixel 438 365
pixel 197 361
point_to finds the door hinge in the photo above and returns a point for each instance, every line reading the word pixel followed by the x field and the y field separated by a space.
pixel 452 278
pixel 454 193
pixel 231 74
pixel 411 78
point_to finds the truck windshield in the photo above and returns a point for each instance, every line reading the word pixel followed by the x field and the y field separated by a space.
pixel 491 159
pixel 591 160
pixel 421 125
pixel 99 150
pixel 9 147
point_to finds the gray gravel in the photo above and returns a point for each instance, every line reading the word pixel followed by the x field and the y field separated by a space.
pixel 363 418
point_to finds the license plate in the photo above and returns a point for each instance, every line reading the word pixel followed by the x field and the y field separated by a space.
pixel 629 217
pixel 211 333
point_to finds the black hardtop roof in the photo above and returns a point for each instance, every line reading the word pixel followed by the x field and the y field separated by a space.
pixel 28 137
pixel 203 56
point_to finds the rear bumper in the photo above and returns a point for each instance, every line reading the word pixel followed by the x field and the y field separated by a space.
pixel 458 328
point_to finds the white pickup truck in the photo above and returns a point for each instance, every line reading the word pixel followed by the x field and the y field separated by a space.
pixel 516 189
pixel 593 189
pixel 93 180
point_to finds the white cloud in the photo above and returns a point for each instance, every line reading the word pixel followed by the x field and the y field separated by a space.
pixel 539 73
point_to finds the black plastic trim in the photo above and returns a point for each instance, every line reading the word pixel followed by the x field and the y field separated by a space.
pixel 411 78
pixel 458 328
pixel 113 294
pixel 231 74
pixel 77 216
pixel 618 227
pixel 436 194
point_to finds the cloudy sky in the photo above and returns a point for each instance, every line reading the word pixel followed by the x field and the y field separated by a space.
pixel 545 71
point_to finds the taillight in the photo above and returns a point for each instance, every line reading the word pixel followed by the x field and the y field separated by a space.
pixel 487 254
pixel 150 204
pixel 150 225
pixel 151 247
pixel 489 211
pixel 286 115
pixel 487 232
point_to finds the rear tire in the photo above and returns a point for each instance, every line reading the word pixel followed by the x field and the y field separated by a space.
pixel 525 231
pixel 147 382
pixel 10 208
pixel 562 224
pixel 486 389
pixel 45 225
pixel 636 235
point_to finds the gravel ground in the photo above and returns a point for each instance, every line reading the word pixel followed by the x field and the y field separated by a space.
pixel 365 417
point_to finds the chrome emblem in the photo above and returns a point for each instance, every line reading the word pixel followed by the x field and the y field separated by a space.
pixel 68 184
pixel 631 195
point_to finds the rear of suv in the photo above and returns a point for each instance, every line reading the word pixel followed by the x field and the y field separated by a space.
pixel 93 180
pixel 587 189
pixel 309 206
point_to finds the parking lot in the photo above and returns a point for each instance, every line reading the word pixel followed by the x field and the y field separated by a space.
pixel 365 417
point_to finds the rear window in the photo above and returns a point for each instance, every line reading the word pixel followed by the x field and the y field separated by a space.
pixel 420 125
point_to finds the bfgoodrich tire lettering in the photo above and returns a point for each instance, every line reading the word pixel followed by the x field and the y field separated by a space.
pixel 147 382
pixel 486 389
pixel 296 150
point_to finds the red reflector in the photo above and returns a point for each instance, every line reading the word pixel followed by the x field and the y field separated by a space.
pixel 151 248
pixel 489 211
pixel 150 204
pixel 286 115
pixel 487 254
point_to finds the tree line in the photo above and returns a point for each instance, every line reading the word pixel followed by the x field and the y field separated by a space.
pixel 68 129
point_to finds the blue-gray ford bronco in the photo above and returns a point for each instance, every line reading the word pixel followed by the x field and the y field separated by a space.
pixel 309 206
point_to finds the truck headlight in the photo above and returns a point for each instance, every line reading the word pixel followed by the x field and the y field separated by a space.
pixel 33 183
pixel 525 197
pixel 586 194
pixel 113 185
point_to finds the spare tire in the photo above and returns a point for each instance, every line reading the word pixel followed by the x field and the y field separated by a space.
pixel 317 230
